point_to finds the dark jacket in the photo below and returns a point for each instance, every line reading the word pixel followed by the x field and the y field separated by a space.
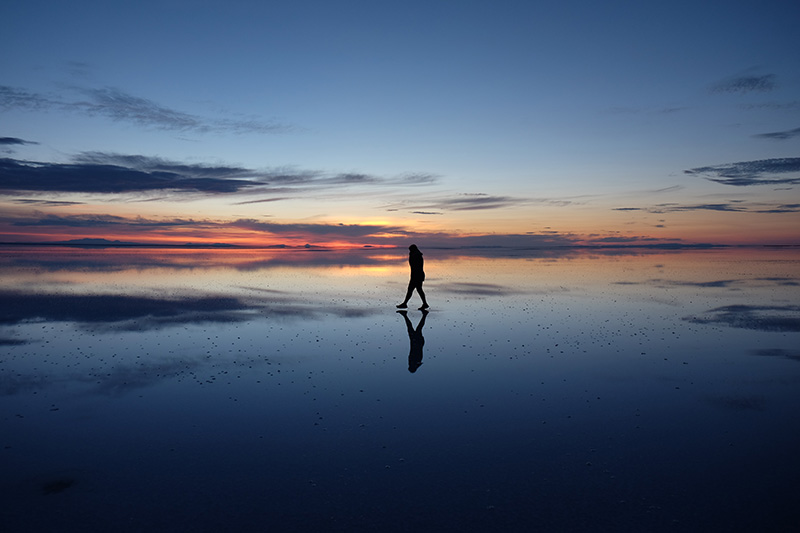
pixel 416 263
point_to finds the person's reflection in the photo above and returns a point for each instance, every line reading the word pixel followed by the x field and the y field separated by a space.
pixel 416 339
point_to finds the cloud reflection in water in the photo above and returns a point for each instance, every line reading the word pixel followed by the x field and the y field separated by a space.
pixel 760 317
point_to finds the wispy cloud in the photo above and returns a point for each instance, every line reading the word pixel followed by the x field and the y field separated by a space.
pixel 418 178
pixel 88 177
pixel 628 110
pixel 112 173
pixel 6 141
pixel 477 201
pixel 500 241
pixel 79 69
pixel 730 207
pixel 745 173
pixel 672 188
pixel 118 105
pixel 264 200
pixel 435 205
pixel 779 135
pixel 8 145
pixel 121 106
pixel 11 98
pixel 773 106
pixel 342 230
pixel 746 84
pixel 45 203
pixel 157 164
pixel 104 221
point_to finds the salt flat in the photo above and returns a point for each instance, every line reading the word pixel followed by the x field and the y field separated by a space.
pixel 252 390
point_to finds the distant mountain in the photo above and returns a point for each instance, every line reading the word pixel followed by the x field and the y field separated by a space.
pixel 96 242
pixel 120 244
pixel 108 243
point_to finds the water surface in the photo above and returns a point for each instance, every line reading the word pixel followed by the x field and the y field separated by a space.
pixel 197 390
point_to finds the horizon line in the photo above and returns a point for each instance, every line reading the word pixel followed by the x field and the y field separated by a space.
pixel 103 243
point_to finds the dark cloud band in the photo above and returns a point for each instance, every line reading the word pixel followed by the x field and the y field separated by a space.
pixel 779 135
pixel 6 141
pixel 745 173
pixel 111 173
pixel 729 207
pixel 746 84
pixel 341 230
pixel 18 176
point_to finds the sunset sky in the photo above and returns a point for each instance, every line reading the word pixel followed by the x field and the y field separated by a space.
pixel 445 123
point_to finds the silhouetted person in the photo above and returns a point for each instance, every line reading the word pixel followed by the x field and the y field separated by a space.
pixel 416 340
pixel 417 277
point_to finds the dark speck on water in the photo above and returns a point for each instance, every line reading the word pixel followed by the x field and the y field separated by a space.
pixel 58 485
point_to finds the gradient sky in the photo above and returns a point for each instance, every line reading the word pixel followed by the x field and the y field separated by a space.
pixel 459 123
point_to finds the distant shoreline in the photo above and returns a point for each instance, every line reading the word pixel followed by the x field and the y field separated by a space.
pixel 224 246
pixel 122 245
pixel 100 243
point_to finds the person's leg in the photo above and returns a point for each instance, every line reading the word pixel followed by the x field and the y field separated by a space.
pixel 408 296
pixel 422 295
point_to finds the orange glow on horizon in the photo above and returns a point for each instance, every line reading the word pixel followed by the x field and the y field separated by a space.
pixel 581 227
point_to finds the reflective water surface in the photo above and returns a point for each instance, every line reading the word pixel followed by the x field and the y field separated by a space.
pixel 256 390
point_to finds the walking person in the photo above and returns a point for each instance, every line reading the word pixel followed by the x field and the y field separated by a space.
pixel 417 277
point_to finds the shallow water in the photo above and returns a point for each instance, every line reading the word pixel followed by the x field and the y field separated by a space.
pixel 196 390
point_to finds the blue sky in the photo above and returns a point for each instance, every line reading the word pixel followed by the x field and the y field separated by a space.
pixel 580 118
